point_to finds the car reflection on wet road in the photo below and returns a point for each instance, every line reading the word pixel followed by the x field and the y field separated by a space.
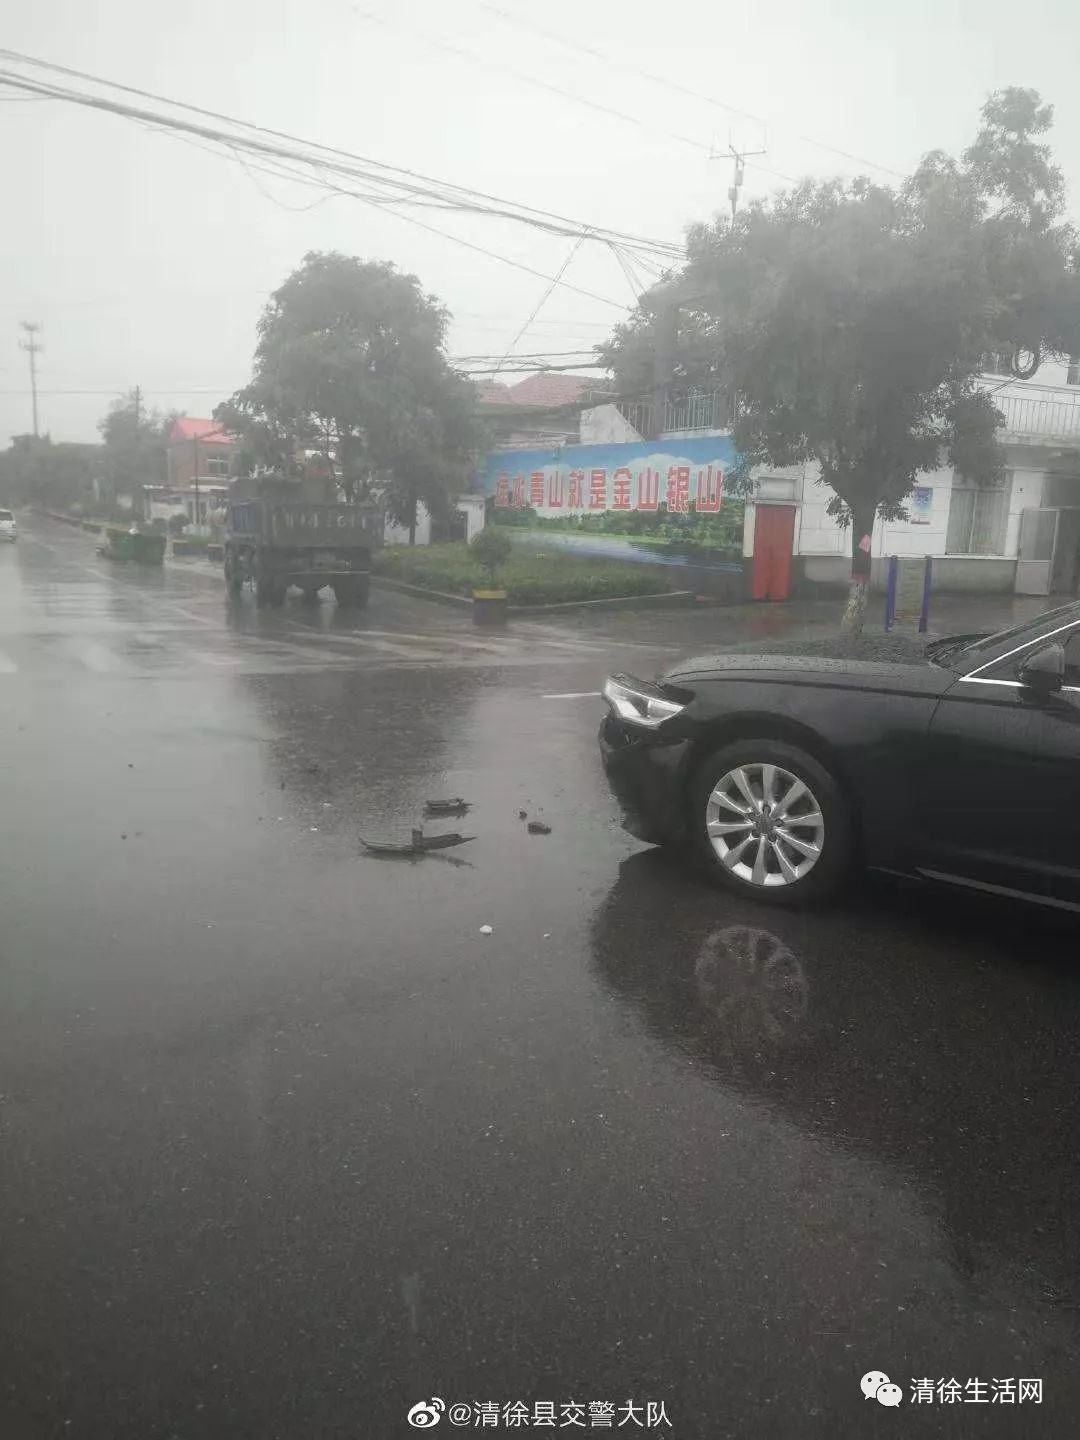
pixel 290 1146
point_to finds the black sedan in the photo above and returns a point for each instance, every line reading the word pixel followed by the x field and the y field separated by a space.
pixel 959 762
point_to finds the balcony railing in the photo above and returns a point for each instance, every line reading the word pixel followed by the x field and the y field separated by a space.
pixel 690 410
pixel 1039 417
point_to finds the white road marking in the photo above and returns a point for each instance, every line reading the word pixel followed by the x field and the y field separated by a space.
pixel 573 695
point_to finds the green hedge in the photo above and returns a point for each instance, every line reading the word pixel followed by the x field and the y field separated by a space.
pixel 530 578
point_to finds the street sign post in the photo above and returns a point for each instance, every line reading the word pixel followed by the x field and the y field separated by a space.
pixel 907 598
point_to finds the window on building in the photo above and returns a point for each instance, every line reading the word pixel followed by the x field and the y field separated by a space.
pixel 217 467
pixel 997 362
pixel 1073 375
pixel 977 519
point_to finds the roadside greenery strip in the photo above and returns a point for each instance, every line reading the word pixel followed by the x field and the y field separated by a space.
pixel 528 579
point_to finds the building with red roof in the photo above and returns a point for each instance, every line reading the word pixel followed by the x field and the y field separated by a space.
pixel 197 451
pixel 198 458
pixel 542 409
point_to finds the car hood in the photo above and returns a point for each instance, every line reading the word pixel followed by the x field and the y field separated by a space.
pixel 840 672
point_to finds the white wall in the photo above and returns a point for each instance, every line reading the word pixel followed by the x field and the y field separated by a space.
pixel 165 510
pixel 818 533
pixel 904 537
pixel 399 534
pixel 606 425
pixel 471 506
pixel 1027 492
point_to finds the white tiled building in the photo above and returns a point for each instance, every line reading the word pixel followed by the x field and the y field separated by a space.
pixel 975 535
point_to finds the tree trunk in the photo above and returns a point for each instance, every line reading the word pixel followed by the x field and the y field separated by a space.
pixel 412 521
pixel 862 529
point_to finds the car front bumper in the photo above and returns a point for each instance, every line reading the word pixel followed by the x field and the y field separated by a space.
pixel 647 776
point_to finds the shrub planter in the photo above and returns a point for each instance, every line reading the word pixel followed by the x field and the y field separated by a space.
pixel 489 607
pixel 149 549
pixel 124 545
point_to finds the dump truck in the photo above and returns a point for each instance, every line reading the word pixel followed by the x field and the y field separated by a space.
pixel 292 532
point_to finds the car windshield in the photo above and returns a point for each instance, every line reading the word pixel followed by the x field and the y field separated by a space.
pixel 970 652
pixel 6 515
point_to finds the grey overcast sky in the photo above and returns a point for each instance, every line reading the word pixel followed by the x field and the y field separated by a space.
pixel 147 260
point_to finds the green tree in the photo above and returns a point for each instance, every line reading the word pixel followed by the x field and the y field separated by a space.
pixel 491 549
pixel 350 361
pixel 134 437
pixel 35 471
pixel 851 320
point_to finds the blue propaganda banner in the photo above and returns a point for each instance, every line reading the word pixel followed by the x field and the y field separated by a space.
pixel 650 476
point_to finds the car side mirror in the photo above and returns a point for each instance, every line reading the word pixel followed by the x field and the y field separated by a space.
pixel 1044 671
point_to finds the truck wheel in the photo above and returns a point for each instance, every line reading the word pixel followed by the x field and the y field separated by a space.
pixel 352 592
pixel 234 578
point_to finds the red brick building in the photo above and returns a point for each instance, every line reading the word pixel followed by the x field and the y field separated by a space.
pixel 197 449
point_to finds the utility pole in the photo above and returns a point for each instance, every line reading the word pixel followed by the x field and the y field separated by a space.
pixel 195 477
pixel 32 347
pixel 136 450
pixel 739 158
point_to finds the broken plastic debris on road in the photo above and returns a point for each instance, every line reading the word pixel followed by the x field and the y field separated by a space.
pixel 419 844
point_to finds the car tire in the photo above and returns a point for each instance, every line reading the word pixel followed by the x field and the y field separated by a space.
pixel 234 576
pixel 352 592
pixel 777 864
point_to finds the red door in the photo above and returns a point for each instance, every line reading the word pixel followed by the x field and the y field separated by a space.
pixel 774 535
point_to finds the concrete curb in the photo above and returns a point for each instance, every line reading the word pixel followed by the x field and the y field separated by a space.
pixel 663 599
pixel 439 597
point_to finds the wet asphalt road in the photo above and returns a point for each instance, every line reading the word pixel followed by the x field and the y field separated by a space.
pixel 288 1146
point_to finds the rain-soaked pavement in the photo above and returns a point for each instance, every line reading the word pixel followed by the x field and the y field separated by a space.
pixel 290 1147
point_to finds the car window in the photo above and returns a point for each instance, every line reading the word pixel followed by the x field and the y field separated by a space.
pixel 6 515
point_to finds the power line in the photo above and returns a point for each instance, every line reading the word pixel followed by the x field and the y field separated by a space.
pixel 166 123
pixel 567 324
pixel 123 390
pixel 544 297
pixel 527 79
pixel 230 144
pixel 532 369
pixel 525 355
pixel 410 185
pixel 674 86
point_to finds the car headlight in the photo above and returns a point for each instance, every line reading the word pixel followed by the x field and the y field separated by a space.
pixel 639 703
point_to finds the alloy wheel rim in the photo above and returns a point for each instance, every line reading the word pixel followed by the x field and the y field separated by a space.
pixel 765 825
